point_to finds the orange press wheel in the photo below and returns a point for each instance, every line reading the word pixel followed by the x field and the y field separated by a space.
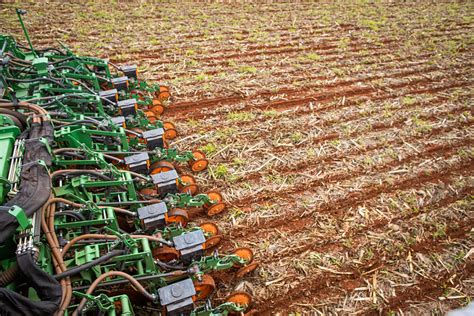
pixel 240 298
pixel 171 133
pixel 163 94
pixel 214 196
pixel 218 206
pixel 165 254
pixel 157 110
pixel 245 254
pixel 170 130
pixel 199 163
pixel 188 185
pixel 178 216
pixel 246 269
pixel 161 166
pixel 209 228
pixel 212 242
pixel 216 209
pixel 198 154
pixel 204 288
pixel 157 107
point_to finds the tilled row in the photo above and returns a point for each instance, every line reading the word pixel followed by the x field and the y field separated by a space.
pixel 328 286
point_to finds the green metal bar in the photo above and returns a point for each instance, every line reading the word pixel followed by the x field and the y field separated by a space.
pixel 19 13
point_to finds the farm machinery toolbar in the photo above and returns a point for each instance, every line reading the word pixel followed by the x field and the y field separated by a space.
pixel 94 200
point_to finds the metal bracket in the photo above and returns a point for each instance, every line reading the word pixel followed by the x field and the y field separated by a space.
pixel 102 301
pixel 20 216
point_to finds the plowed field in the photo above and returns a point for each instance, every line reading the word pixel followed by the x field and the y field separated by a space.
pixel 340 134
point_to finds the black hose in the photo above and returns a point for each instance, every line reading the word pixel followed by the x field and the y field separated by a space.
pixel 89 265
pixel 168 266
pixel 85 229
pixel 18 60
pixel 35 80
pixel 145 278
pixel 24 70
pixel 83 85
pixel 74 155
pixel 126 203
pixel 60 114
pixel 43 50
pixel 62 60
pixel 82 122
pixel 54 100
pixel 79 172
pixel 114 65
pixel 103 78
pixel 65 67
pixel 49 49
pixel 72 214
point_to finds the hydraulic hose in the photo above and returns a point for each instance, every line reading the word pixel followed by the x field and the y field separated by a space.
pixel 169 266
pixel 48 229
pixel 77 216
pixel 18 60
pixel 9 275
pixel 79 172
pixel 59 266
pixel 35 80
pixel 124 275
pixel 25 106
pixel 138 175
pixel 61 150
pixel 73 241
pixel 133 132
pixel 83 85
pixel 21 117
pixel 82 122
pixel 82 267
pixel 130 202
pixel 15 120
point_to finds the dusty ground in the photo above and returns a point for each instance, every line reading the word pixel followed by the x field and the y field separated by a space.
pixel 341 136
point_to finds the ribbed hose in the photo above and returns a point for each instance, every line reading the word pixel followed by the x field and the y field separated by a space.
pixel 9 275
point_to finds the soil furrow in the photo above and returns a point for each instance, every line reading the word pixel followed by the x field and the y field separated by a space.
pixel 190 109
pixel 305 111
pixel 354 199
pixel 311 289
pixel 303 166
pixel 334 242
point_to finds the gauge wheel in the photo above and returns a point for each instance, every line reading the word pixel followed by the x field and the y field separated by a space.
pixel 165 254
pixel 161 166
pixel 205 287
pixel 178 216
